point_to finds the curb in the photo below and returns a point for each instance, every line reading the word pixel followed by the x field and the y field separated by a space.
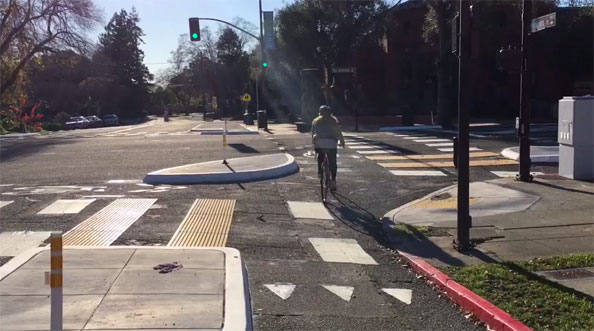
pixel 288 168
pixel 513 155
pixel 485 311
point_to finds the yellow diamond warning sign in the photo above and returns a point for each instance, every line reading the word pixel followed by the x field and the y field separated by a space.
pixel 246 97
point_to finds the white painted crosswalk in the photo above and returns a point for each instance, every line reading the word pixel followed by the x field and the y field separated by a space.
pixel 417 173
pixel 341 251
pixel 60 207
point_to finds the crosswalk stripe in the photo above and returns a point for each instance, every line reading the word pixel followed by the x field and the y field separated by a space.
pixel 511 174
pixel 207 224
pixel 364 147
pixel 417 173
pixel 451 149
pixel 417 137
pixel 439 164
pixel 60 207
pixel 108 224
pixel 427 156
pixel 5 203
pixel 440 144
pixel 313 210
pixel 431 140
pixel 381 151
pixel 341 250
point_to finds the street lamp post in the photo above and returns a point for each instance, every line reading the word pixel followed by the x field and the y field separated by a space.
pixel 524 121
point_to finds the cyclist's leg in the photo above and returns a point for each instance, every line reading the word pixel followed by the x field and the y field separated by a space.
pixel 320 155
pixel 332 162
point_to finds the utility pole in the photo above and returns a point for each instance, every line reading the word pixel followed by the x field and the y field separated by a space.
pixel 525 93
pixel 261 72
pixel 462 242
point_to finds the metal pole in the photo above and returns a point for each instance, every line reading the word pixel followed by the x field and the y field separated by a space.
pixel 261 72
pixel 462 242
pixel 56 281
pixel 524 129
pixel 257 94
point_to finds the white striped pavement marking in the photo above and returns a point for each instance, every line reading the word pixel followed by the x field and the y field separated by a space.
pixel 5 203
pixel 402 294
pixel 341 251
pixel 431 140
pixel 124 181
pixel 381 151
pixel 417 137
pixel 355 156
pixel 401 135
pixel 343 292
pixel 440 144
pixel 284 291
pixel 344 170
pixel 315 210
pixel 417 173
pixel 103 196
pixel 60 207
pixel 470 149
pixel 364 147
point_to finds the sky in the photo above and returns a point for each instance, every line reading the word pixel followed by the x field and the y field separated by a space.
pixel 164 20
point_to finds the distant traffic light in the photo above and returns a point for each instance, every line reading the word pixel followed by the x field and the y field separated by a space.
pixel 265 64
pixel 194 29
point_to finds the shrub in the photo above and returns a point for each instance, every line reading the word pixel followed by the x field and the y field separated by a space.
pixel 52 126
pixel 61 118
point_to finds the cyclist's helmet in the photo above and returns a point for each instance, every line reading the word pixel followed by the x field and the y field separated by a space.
pixel 325 108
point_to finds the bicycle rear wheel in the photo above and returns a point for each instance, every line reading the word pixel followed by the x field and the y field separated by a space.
pixel 326 180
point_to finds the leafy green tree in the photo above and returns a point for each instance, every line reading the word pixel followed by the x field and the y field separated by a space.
pixel 232 72
pixel 119 46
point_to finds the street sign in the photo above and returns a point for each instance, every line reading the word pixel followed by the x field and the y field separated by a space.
pixel 269 37
pixel 246 97
pixel 543 22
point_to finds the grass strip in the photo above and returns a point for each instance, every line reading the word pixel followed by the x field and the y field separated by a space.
pixel 535 301
pixel 558 262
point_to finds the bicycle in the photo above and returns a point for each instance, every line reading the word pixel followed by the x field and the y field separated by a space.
pixel 325 179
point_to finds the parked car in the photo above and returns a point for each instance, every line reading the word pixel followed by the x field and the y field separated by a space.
pixel 111 119
pixel 95 121
pixel 77 122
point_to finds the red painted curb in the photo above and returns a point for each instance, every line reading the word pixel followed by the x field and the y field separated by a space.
pixel 485 311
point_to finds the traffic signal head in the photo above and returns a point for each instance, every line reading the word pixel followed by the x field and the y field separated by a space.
pixel 265 64
pixel 194 29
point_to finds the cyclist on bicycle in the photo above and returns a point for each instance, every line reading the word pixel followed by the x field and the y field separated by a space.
pixel 325 133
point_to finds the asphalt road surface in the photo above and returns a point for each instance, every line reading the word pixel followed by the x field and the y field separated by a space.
pixel 287 273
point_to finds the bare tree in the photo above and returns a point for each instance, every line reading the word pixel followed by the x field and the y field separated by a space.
pixel 29 27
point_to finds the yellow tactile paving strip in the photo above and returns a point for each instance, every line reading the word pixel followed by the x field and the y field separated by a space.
pixel 207 224
pixel 108 224
pixel 447 164
pixel 449 203
pixel 426 156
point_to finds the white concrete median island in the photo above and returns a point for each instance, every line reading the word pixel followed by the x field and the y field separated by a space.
pixel 238 170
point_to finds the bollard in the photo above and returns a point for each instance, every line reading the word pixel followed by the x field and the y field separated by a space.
pixel 56 281
pixel 455 139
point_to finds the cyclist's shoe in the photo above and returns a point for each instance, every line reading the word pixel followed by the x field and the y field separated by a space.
pixel 333 186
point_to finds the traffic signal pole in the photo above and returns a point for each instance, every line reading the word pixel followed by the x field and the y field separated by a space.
pixel 462 242
pixel 525 82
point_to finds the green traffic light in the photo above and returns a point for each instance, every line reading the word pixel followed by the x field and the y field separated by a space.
pixel 265 64
pixel 194 35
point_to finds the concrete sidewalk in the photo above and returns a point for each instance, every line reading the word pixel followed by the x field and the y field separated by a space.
pixel 118 288
pixel 512 221
pixel 238 170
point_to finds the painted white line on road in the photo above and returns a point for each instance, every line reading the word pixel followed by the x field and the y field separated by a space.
pixel 6 185
pixel 439 140
pixel 14 243
pixel 284 291
pixel 99 196
pixel 60 207
pixel 470 149
pixel 343 292
pixel 401 135
pixel 5 203
pixel 402 294
pixel 355 143
pixel 315 210
pixel 364 147
pixel 417 137
pixel 417 173
pixel 381 151
pixel 512 174
pixel 124 181
pixel 341 250
pixel 355 156
pixel 281 148
pixel 344 170
pixel 440 144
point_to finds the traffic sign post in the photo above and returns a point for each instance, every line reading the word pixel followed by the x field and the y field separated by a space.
pixel 543 22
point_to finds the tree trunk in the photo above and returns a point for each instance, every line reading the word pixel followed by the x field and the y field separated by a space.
pixel 443 93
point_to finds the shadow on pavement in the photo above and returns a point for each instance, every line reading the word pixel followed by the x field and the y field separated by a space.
pixel 242 148
pixel 28 147
pixel 562 188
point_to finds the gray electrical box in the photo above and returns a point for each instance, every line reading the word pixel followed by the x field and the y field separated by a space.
pixel 576 137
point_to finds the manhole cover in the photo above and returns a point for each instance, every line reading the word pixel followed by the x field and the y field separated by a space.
pixel 570 274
